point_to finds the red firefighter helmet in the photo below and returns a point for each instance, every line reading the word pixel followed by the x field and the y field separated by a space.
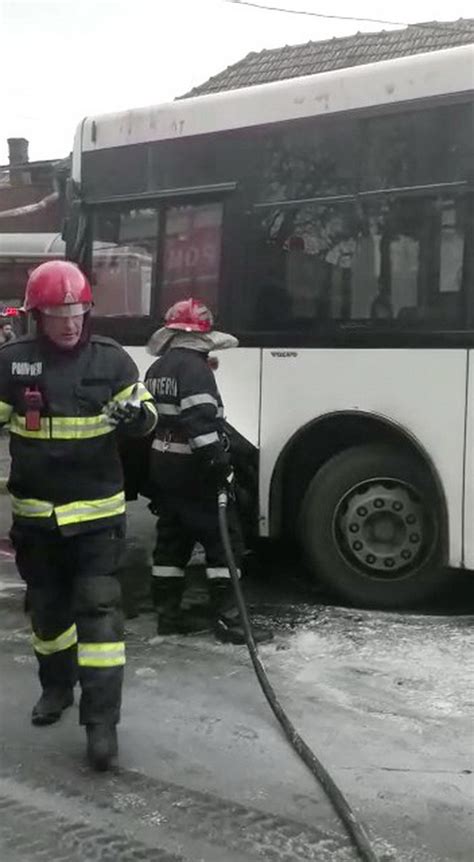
pixel 58 287
pixel 190 315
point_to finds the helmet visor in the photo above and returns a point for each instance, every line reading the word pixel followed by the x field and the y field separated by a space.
pixel 73 309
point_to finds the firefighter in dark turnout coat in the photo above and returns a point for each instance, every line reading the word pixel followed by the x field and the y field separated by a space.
pixel 64 393
pixel 189 463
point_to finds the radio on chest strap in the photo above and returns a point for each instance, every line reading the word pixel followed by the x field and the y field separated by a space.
pixel 34 403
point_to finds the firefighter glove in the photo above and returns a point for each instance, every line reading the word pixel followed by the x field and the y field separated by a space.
pixel 220 471
pixel 123 412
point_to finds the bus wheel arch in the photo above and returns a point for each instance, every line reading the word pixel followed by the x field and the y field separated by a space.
pixel 321 461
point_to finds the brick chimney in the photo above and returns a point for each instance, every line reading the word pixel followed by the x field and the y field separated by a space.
pixel 18 158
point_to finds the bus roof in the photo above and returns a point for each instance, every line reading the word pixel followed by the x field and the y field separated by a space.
pixel 388 82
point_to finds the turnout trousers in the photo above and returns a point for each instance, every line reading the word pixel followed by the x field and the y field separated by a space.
pixel 74 602
pixel 184 520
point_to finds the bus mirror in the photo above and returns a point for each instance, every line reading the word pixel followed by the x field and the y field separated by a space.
pixel 74 231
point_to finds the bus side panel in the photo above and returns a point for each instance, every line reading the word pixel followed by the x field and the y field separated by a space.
pixel 142 359
pixel 469 475
pixel 238 379
pixel 423 391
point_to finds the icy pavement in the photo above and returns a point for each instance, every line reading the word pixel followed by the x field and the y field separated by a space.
pixel 385 700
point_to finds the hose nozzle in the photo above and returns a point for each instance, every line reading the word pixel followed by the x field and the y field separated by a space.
pixel 222 499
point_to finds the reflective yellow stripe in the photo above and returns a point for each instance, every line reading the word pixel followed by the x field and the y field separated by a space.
pixel 101 655
pixel 137 390
pixel 82 428
pixel 63 641
pixel 31 508
pixel 5 412
pixel 124 393
pixel 71 421
pixel 90 510
pixel 72 427
pixel 17 426
pixel 70 513
pixel 151 407
pixel 63 427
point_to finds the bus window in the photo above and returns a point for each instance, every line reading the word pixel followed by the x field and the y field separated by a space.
pixel 394 260
pixel 305 256
pixel 407 148
pixel 308 157
pixel 192 253
pixel 420 251
pixel 123 261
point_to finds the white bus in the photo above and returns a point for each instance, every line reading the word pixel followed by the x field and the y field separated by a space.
pixel 328 221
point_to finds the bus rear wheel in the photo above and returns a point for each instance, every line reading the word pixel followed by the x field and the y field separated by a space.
pixel 370 528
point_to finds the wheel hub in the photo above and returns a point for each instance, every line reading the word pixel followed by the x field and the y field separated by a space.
pixel 380 527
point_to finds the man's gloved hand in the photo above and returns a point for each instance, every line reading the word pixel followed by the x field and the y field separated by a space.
pixel 123 412
pixel 228 485
pixel 154 505
pixel 221 472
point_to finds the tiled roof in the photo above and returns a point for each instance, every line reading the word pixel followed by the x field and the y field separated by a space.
pixel 292 61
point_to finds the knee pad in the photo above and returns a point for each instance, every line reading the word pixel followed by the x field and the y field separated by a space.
pixel 97 595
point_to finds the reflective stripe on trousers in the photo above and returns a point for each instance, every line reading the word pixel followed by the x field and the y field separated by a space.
pixel 167 572
pixel 70 513
pixel 101 654
pixel 218 573
pixel 90 510
pixel 63 641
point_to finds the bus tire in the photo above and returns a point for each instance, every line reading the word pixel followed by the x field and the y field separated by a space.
pixel 371 530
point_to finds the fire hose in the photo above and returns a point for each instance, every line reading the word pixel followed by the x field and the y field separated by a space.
pixel 354 827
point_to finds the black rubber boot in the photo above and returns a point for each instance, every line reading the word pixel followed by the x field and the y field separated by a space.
pixel 171 618
pixel 182 623
pixel 51 705
pixel 227 624
pixel 167 594
pixel 102 745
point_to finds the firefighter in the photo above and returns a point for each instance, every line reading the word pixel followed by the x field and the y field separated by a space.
pixel 189 463
pixel 67 396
